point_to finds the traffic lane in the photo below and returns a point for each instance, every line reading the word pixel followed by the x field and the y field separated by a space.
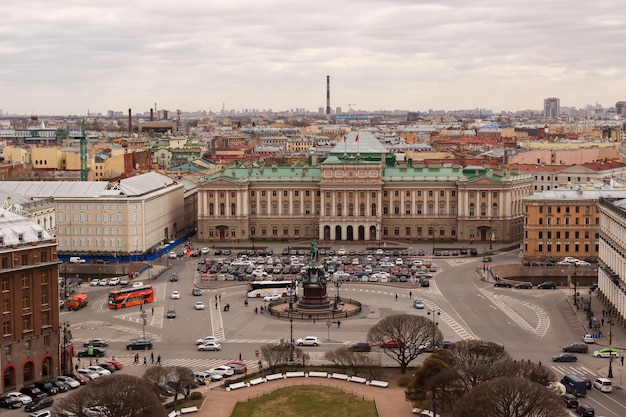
pixel 611 404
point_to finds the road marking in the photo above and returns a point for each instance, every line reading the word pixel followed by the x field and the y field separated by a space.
pixel 453 324
pixel 99 326
pixel 572 369
pixel 217 325
pixel 503 302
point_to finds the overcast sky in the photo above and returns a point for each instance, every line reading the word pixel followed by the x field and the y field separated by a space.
pixel 68 56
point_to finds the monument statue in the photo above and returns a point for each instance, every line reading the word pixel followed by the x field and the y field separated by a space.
pixel 314 250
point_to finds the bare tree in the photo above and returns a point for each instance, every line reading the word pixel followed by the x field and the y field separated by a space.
pixel 157 375
pixel 359 363
pixel 410 332
pixel 279 357
pixel 473 360
pixel 119 395
pixel 523 369
pixel 510 397
pixel 180 379
pixel 436 382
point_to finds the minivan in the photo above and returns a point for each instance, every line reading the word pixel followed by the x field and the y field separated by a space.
pixel 603 384
pixel 574 385
pixel 76 260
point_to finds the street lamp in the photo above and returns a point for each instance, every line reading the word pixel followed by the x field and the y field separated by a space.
pixel 292 299
pixel 610 375
pixel 337 283
pixel 575 285
pixel 435 312
pixel 433 230
pixel 493 238
pixel 66 340
pixel 143 315
pixel 252 233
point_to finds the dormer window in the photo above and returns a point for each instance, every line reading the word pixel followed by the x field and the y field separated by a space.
pixel 20 237
pixel 40 235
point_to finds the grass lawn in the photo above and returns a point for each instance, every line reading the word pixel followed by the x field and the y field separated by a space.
pixel 307 400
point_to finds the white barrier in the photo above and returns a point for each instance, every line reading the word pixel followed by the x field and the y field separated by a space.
pixel 382 384
pixel 294 374
pixel 237 385
pixel 257 381
pixel 316 374
pixel 358 379
pixel 343 377
pixel 188 410
pixel 274 377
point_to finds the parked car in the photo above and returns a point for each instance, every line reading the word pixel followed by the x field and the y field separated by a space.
pixel 7 401
pixel 238 369
pixel 91 352
pixel 360 347
pixel 82 379
pixel 25 399
pixel 576 347
pixel 39 404
pixel 114 281
pixel 585 410
pixel 238 363
pixel 503 284
pixel 565 357
pixel 223 370
pixel 391 344
pixel 487 259
pixel 69 381
pixel 47 387
pixel 603 384
pixel 96 343
pixel 524 285
pixel 99 370
pixel 308 341
pixel 173 255
pixel 88 373
pixel 33 392
pixel 116 364
pixel 548 285
pixel 588 338
pixel 141 344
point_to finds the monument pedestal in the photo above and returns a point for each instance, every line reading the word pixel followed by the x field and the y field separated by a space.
pixel 314 298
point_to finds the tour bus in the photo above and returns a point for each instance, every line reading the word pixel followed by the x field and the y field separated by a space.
pixel 131 297
pixel 260 289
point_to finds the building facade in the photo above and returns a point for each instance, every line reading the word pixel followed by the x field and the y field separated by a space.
pixel 359 192
pixel 612 268
pixel 564 222
pixel 31 348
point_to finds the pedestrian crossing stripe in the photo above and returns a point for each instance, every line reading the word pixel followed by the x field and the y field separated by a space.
pixel 572 370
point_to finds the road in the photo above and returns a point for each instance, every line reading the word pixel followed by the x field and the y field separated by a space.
pixel 531 324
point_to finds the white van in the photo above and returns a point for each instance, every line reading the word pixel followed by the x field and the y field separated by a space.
pixel 603 384
pixel 76 260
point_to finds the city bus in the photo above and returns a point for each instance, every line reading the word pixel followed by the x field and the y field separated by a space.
pixel 259 289
pixel 129 297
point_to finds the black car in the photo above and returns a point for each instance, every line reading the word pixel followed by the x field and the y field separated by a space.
pixel 61 386
pixel 360 347
pixel 487 259
pixel 464 251
pixel 92 352
pixel 140 344
pixel 524 285
pixel 33 392
pixel 39 404
pixel 583 410
pixel 171 313
pixel 549 262
pixel 578 347
pixel 9 402
pixel 548 285
pixel 571 401
pixel 474 252
pixel 48 387
pixel 503 284
pixel 565 357
pixel 174 277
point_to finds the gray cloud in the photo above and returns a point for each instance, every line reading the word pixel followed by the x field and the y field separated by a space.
pixel 66 56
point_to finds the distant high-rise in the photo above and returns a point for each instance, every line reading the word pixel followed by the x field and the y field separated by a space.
pixel 551 107
pixel 620 108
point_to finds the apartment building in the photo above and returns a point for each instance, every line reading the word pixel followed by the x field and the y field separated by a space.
pixel 30 303
pixel 360 192
pixel 564 222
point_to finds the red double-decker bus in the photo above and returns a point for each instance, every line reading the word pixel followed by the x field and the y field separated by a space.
pixel 131 297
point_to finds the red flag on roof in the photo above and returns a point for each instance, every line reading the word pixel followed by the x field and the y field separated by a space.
pixel 357 138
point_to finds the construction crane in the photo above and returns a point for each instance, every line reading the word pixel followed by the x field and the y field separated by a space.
pixel 84 169
pixel 350 105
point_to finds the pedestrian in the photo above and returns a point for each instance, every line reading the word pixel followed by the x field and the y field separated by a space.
pixel 313 320
pixel 410 294
pixel 621 359
pixel 145 361
pixel 245 303
pixel 220 297
pixel 256 310
pixel 215 297
pixel 239 355
pixel 151 357
pixel 396 297
pixel 96 361
pixel 153 311
pixel 216 306
pixel 159 360
pixel 76 366
pixel 260 365
pixel 602 321
pixel 338 323
pixel 136 358
pixel 206 384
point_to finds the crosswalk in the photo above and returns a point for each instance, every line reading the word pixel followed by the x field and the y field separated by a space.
pixel 578 370
pixel 197 364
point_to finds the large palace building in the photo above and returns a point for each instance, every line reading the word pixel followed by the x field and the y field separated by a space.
pixel 359 191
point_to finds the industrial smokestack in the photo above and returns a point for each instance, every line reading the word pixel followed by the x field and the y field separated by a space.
pixel 328 95
pixel 130 123
pixel 152 115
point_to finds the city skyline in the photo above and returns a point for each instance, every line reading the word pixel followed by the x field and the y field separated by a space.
pixel 69 58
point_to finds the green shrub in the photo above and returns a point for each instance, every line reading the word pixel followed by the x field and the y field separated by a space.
pixel 196 395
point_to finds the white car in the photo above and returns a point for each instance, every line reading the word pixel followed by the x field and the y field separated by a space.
pixel 69 381
pixel 210 345
pixel 222 370
pixel 99 370
pixel 137 284
pixel 308 341
pixel 341 251
pixel 89 373
pixel 199 305
pixel 204 251
pixel 94 282
pixel 103 282
pixel 207 339
pixel 582 263
pixel 172 255
pixel 589 339
pixel 272 297
pixel 25 399
pixel 114 281
pixel 175 295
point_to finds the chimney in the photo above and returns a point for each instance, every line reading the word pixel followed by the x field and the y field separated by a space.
pixel 328 95
pixel 152 115
pixel 130 123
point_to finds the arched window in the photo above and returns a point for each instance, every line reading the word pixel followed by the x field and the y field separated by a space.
pixel 494 210
pixel 472 209
pixel 483 209
pixel 233 209
pixel 211 210
pixel 339 210
pixel 361 209
pixel 350 209
pixel 373 210
pixel 222 209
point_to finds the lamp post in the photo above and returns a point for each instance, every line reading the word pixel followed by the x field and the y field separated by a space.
pixel 575 285
pixel 433 234
pixel 143 315
pixel 66 340
pixel 252 233
pixel 337 283
pixel 293 298
pixel 435 312
pixel 610 375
